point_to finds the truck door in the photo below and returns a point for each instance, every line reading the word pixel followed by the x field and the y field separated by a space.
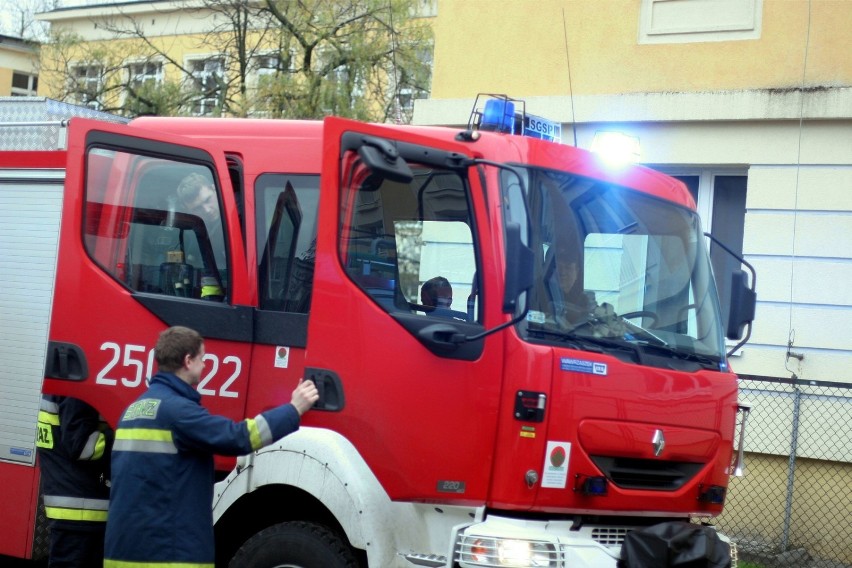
pixel 399 213
pixel 150 238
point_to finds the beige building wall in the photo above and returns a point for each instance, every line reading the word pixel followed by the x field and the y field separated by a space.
pixel 818 519
pixel 16 56
pixel 758 88
pixel 535 42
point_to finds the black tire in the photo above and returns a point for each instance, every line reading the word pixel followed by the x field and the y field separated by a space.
pixel 294 544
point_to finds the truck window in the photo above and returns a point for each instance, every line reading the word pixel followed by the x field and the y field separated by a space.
pixel 410 247
pixel 286 240
pixel 155 225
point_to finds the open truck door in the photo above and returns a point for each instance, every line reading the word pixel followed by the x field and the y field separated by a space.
pixel 139 253
pixel 400 211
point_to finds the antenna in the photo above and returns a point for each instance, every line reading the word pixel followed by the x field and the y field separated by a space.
pixel 798 171
pixel 570 86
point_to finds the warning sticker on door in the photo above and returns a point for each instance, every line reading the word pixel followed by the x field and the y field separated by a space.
pixel 582 366
pixel 555 470
pixel 282 357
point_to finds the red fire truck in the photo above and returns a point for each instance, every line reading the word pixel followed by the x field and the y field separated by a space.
pixel 574 387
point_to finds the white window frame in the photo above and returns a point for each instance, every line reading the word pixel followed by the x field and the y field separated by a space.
pixel 256 71
pixel 696 21
pixel 426 53
pixel 98 81
pixel 704 206
pixel 32 85
pixel 145 76
pixel 706 187
pixel 204 106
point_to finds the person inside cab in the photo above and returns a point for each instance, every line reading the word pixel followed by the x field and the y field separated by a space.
pixel 564 286
pixel 198 195
pixel 437 293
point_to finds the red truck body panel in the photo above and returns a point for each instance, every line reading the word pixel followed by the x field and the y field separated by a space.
pixel 431 429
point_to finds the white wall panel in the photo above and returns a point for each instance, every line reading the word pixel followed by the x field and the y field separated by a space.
pixel 29 234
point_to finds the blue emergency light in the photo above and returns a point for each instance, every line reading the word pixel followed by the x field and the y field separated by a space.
pixel 499 115
pixel 504 114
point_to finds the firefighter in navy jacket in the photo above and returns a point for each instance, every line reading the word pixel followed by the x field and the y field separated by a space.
pixel 162 469
pixel 73 445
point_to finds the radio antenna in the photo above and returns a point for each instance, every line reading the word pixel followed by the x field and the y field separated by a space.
pixel 570 87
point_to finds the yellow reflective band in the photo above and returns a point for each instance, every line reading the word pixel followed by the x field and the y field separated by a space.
pixel 48 418
pixel 44 436
pixel 130 564
pixel 145 434
pixel 100 447
pixel 211 291
pixel 61 514
pixel 254 434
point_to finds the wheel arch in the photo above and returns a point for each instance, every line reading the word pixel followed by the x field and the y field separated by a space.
pixel 313 475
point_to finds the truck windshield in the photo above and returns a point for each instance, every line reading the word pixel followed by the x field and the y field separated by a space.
pixel 618 271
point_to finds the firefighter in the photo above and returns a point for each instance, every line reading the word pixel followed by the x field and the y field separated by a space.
pixel 74 456
pixel 160 509
pixel 198 196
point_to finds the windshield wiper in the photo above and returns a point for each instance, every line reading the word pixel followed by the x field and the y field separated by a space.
pixel 704 360
pixel 585 342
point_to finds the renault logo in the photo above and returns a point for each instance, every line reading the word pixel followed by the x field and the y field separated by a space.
pixel 659 442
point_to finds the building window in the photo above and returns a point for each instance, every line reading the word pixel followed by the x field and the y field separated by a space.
pixel 266 65
pixel 146 73
pixel 687 21
pixel 24 84
pixel 720 196
pixel 143 81
pixel 208 78
pixel 86 85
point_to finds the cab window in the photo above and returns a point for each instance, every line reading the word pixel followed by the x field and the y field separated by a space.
pixel 286 240
pixel 409 246
pixel 155 225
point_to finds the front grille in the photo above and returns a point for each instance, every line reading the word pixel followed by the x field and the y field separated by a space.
pixel 658 475
pixel 609 536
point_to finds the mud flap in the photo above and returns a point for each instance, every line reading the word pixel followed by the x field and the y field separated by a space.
pixel 674 544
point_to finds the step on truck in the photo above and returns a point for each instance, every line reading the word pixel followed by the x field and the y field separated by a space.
pixel 571 385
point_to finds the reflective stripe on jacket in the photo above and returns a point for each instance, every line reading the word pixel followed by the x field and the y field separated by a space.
pixel 73 445
pixel 162 493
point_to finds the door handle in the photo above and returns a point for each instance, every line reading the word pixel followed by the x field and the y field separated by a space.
pixel 65 361
pixel 330 389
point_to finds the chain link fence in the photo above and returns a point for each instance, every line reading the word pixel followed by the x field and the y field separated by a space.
pixel 793 507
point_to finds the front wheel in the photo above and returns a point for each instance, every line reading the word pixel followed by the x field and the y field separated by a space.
pixel 295 544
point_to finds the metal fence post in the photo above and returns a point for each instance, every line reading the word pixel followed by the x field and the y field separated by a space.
pixel 791 468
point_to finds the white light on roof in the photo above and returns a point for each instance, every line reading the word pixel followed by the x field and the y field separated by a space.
pixel 616 148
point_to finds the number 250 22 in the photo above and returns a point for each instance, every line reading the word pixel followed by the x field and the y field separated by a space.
pixel 132 359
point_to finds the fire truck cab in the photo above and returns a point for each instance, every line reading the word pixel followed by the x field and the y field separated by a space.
pixel 575 387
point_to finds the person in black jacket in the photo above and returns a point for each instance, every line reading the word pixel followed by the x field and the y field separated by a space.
pixel 74 444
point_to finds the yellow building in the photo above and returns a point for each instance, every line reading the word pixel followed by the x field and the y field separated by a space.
pixel 187 57
pixel 18 67
pixel 750 103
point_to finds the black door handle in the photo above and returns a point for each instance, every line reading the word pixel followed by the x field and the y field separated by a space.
pixel 330 389
pixel 65 361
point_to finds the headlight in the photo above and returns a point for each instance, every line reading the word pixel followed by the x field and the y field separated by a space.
pixel 509 553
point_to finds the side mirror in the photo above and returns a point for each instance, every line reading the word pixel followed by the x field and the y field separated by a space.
pixel 743 301
pixel 383 160
pixel 519 267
